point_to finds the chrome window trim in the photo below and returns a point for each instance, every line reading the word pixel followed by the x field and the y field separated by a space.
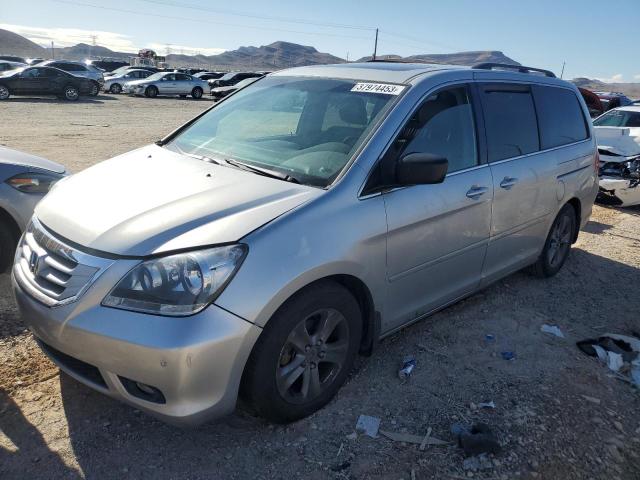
pixel 538 152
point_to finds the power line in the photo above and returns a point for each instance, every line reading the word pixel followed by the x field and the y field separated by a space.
pixel 201 20
pixel 260 17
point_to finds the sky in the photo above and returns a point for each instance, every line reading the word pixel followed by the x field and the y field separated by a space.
pixel 538 33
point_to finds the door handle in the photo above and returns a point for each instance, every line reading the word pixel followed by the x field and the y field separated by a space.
pixel 475 192
pixel 508 182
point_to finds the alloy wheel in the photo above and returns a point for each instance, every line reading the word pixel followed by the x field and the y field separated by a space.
pixel 560 241
pixel 312 356
pixel 71 93
pixel 4 92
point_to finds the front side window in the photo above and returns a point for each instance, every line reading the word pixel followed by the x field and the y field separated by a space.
pixel 618 118
pixel 560 116
pixel 306 128
pixel 510 121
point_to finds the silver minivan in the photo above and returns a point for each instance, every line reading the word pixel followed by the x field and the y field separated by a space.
pixel 259 248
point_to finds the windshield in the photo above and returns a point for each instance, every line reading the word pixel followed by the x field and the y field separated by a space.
pixel 228 76
pixel 120 70
pixel 618 118
pixel 306 128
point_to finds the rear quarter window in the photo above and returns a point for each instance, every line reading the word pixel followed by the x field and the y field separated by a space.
pixel 560 116
pixel 510 121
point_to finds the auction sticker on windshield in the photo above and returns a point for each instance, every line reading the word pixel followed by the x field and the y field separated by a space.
pixel 384 88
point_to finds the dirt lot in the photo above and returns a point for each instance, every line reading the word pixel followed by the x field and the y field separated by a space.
pixel 558 415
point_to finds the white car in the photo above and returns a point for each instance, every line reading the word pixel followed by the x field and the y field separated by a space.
pixel 168 83
pixel 618 135
pixel 115 83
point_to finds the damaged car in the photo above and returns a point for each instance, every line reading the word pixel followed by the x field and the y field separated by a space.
pixel 618 135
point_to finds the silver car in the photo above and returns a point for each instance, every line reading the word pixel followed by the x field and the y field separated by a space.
pixel 24 180
pixel 114 83
pixel 263 245
pixel 79 69
pixel 167 83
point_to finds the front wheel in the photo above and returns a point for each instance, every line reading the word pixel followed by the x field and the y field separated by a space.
pixel 70 93
pixel 95 89
pixel 304 353
pixel 196 92
pixel 4 92
pixel 116 88
pixel 151 92
pixel 558 245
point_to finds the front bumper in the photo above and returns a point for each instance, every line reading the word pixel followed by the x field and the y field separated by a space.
pixel 195 362
pixel 619 191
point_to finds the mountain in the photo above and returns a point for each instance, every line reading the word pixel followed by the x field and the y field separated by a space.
pixel 14 44
pixel 631 90
pixel 459 58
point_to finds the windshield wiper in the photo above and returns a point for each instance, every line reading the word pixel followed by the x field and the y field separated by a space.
pixel 262 171
pixel 204 158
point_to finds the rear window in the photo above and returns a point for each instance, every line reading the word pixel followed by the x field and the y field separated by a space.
pixel 510 121
pixel 560 116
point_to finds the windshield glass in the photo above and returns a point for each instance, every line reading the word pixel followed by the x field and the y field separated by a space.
pixel 305 128
pixel 618 118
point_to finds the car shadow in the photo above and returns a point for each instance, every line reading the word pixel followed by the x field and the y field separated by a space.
pixel 23 448
pixel 241 445
pixel 97 100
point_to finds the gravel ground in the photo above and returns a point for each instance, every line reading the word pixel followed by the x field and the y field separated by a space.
pixel 558 415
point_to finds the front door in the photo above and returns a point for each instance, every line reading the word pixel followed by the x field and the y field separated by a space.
pixel 438 234
pixel 31 82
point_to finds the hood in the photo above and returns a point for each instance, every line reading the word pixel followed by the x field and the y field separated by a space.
pixel 623 141
pixel 153 200
pixel 14 157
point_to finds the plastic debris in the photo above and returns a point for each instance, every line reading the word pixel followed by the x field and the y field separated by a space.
pixel 409 438
pixel 479 440
pixel 614 361
pixel 408 364
pixel 508 355
pixel 490 338
pixel 368 425
pixel 487 404
pixel 621 354
pixel 552 329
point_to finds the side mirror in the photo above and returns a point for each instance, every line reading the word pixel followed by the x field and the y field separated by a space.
pixel 421 169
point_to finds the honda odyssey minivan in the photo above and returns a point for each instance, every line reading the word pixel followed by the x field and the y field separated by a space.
pixel 259 248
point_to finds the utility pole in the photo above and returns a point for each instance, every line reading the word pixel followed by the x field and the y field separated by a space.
pixel 375 46
pixel 53 56
pixel 562 73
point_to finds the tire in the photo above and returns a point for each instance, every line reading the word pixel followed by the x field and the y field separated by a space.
pixel 70 93
pixel 8 243
pixel 151 91
pixel 196 92
pixel 558 244
pixel 287 377
pixel 116 88
pixel 95 89
pixel 4 92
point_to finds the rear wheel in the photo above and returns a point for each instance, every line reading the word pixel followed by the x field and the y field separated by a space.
pixel 116 88
pixel 196 92
pixel 558 245
pixel 151 91
pixel 304 354
pixel 70 93
pixel 4 92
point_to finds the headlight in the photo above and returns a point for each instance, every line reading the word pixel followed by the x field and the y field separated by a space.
pixel 181 284
pixel 33 182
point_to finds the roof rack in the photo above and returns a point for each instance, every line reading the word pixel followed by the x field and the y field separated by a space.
pixel 378 59
pixel 518 68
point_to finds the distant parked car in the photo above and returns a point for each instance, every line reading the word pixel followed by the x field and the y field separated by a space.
pixel 209 75
pixel 221 92
pixel 24 180
pixel 611 100
pixel 107 65
pixel 79 69
pixel 114 83
pixel 126 68
pixel 232 78
pixel 13 58
pixel 43 81
pixel 618 136
pixel 8 65
pixel 167 83
pixel 34 61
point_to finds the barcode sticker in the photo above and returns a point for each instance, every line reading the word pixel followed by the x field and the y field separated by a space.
pixel 383 88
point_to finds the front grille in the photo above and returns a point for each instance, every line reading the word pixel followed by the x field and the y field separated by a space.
pixel 51 271
pixel 78 367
